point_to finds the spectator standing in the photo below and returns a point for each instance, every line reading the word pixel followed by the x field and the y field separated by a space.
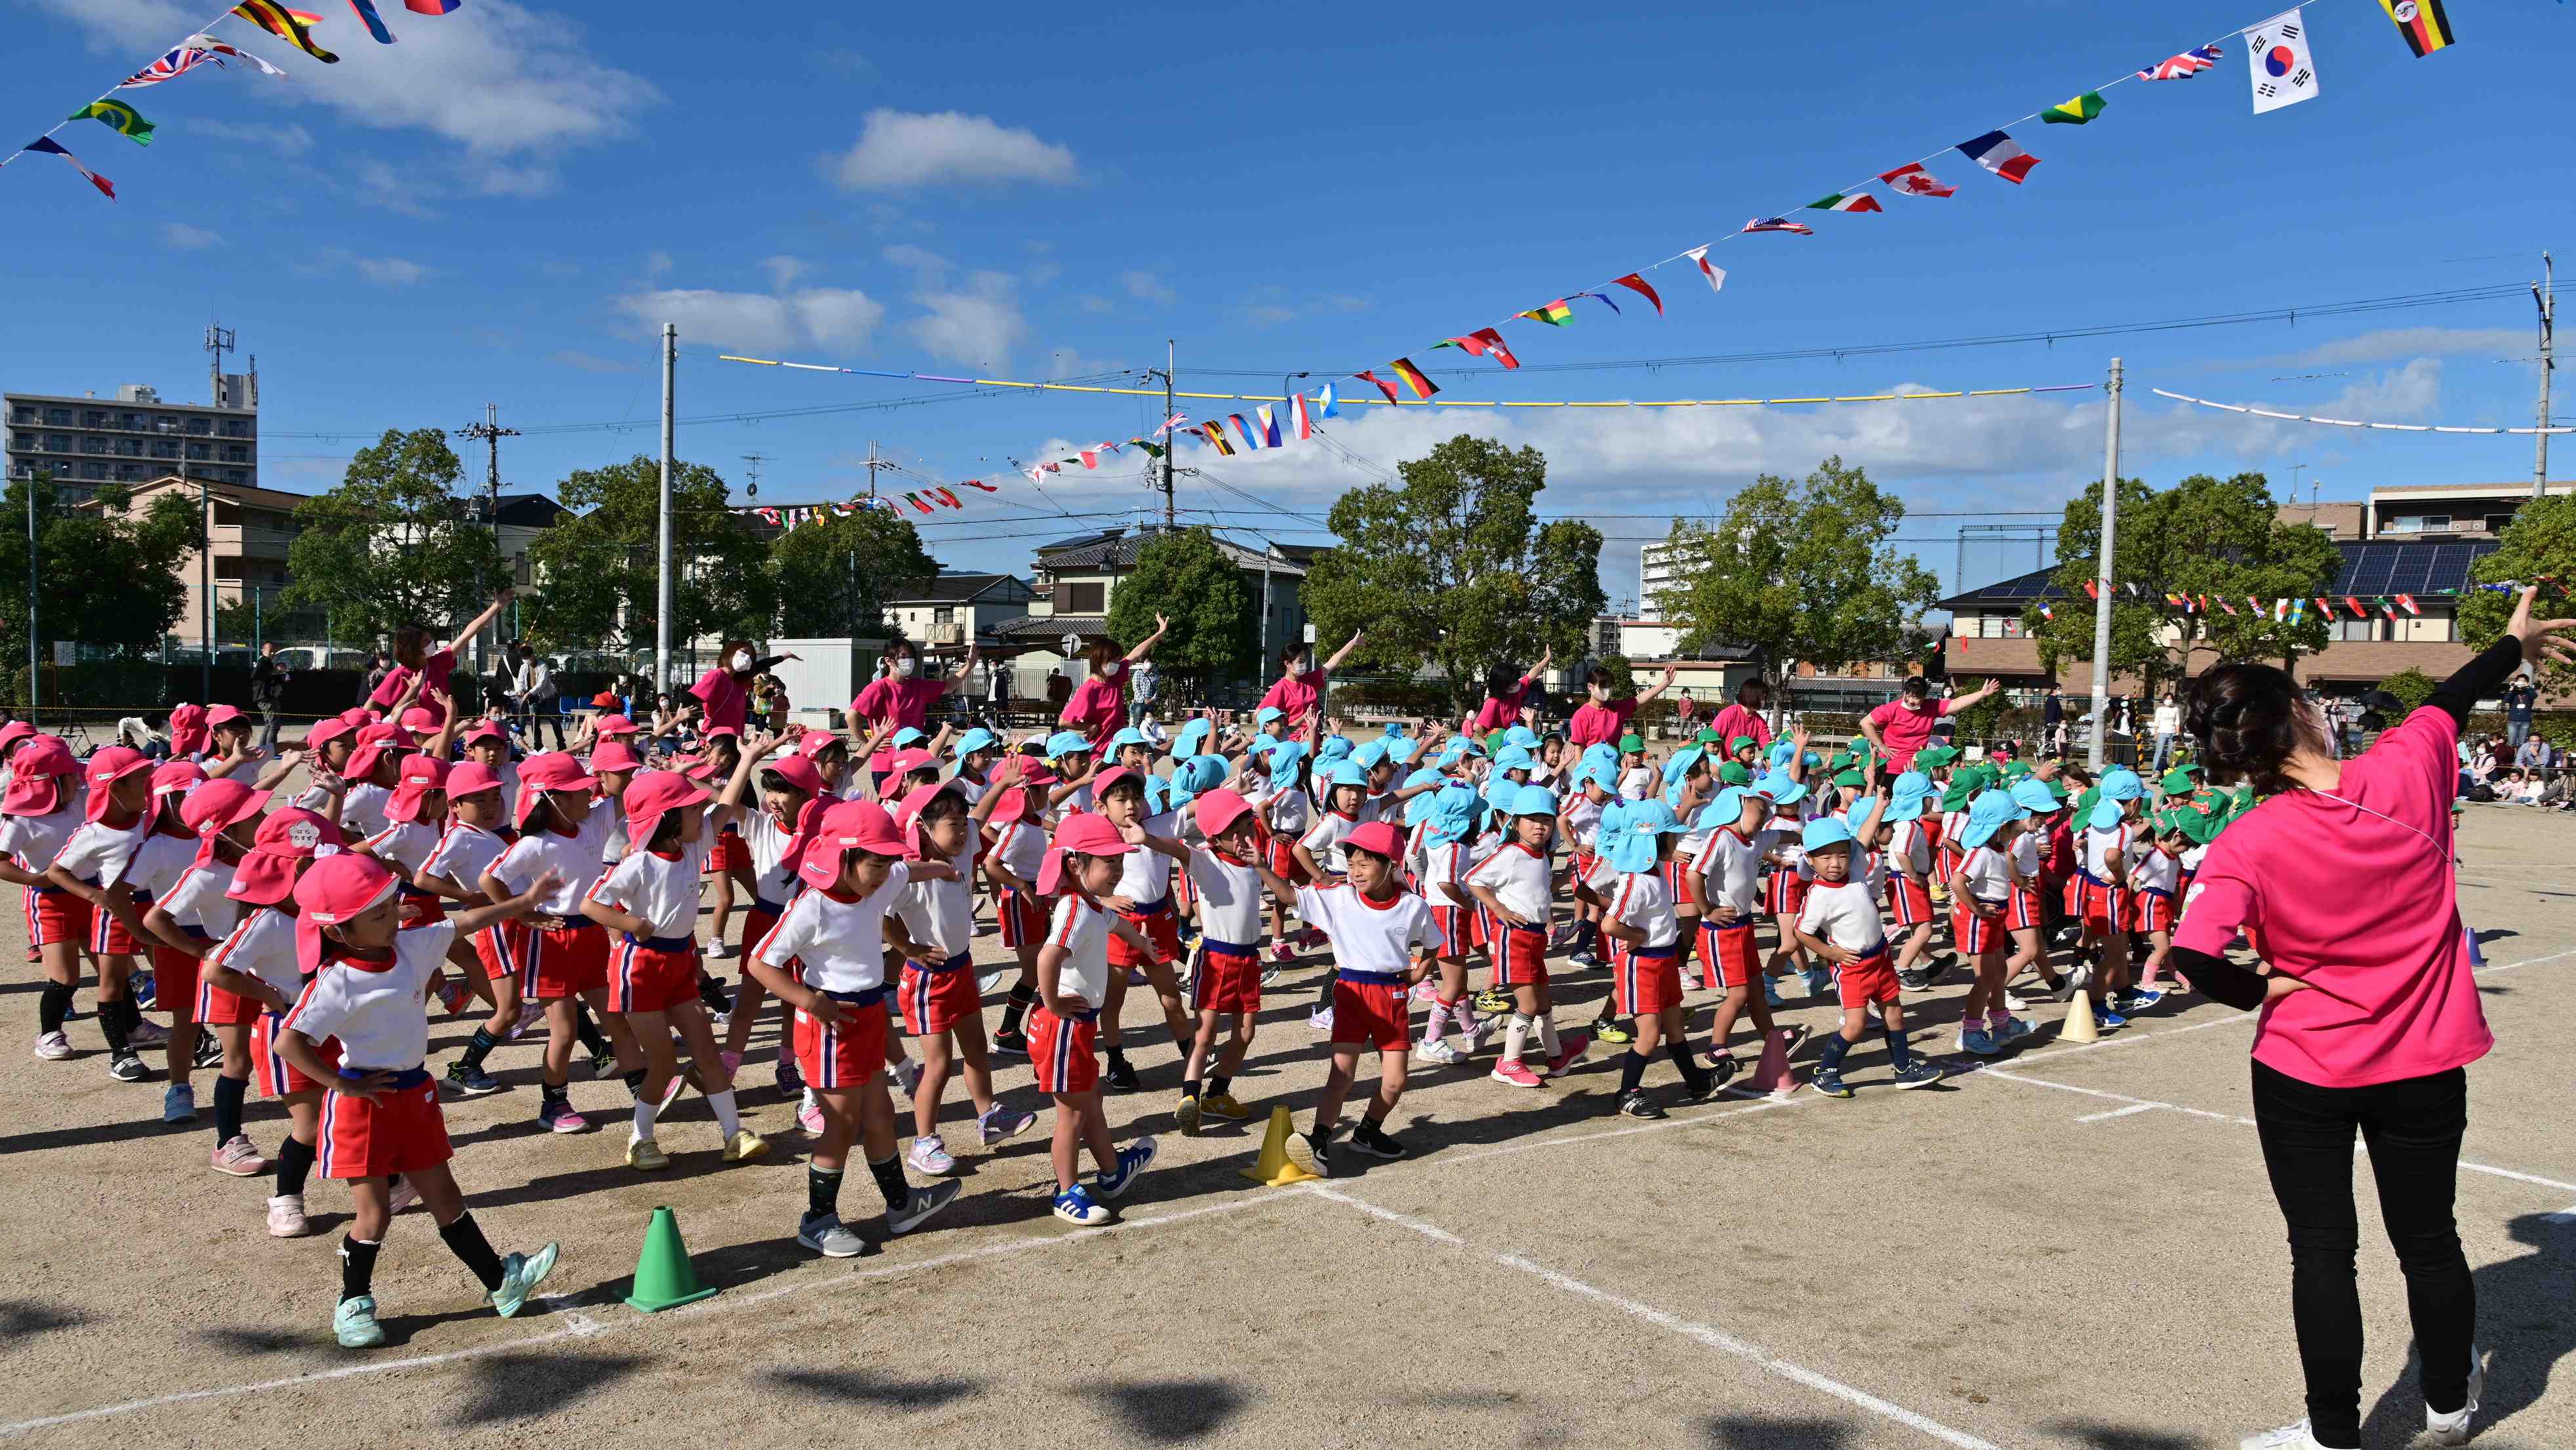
pixel 2052 720
pixel 1745 716
pixel 378 667
pixel 2168 725
pixel 267 691
pixel 2519 697
pixel 1059 689
pixel 534 684
pixel 1143 688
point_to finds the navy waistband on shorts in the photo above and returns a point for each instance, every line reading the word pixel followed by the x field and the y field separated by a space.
pixel 1373 979
pixel 1090 1014
pixel 404 1080
pixel 952 964
pixel 2153 891
pixel 1656 954
pixel 764 904
pixel 868 998
pixel 1151 908
pixel 1743 922
pixel 661 943
pixel 1229 948
pixel 2092 880
pixel 1869 956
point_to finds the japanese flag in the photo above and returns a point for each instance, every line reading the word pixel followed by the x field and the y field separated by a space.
pixel 2281 70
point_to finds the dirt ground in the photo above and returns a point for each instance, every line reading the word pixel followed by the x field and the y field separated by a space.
pixel 2075 1247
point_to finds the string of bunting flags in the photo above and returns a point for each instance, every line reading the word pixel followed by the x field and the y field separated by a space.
pixel 2348 422
pixel 295 27
pixel 2296 610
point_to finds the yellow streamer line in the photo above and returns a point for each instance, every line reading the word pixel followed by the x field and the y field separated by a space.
pixel 1427 402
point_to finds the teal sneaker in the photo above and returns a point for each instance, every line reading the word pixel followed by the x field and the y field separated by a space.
pixel 354 1323
pixel 520 1276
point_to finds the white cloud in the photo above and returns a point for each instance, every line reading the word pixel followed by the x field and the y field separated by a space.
pixel 1146 287
pixel 830 317
pixel 840 317
pixel 284 138
pixel 390 271
pixel 188 238
pixel 897 150
pixel 2407 342
pixel 783 271
pixel 498 77
pixel 978 325
pixel 925 265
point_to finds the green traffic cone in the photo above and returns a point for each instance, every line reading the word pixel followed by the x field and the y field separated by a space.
pixel 663 1277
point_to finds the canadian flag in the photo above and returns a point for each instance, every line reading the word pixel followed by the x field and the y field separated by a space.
pixel 2407 603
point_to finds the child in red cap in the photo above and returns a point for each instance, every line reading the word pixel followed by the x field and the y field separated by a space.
pixel 151 872
pixel 1233 881
pixel 1073 982
pixel 415 821
pixel 1151 940
pixel 478 833
pixel 1015 850
pixel 190 917
pixel 826 959
pixel 933 927
pixel 115 819
pixel 563 832
pixel 381 1118
pixel 38 814
pixel 1374 925
pixel 792 802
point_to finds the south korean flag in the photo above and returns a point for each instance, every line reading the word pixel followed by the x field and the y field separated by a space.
pixel 2282 71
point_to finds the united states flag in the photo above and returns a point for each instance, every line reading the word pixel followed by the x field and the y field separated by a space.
pixel 2182 67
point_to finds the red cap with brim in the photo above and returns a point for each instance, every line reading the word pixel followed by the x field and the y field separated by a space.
pixel 610 755
pixel 224 715
pixel 360 717
pixel 488 730
pixel 815 742
pixel 906 762
pixel 1378 839
pixel 217 807
pixel 551 771
pixel 286 840
pixel 470 777
pixel 1086 834
pixel 798 772
pixel 177 777
pixel 1216 810
pixel 848 826
pixel 364 760
pixel 106 768
pixel 35 787
pixel 326 731
pixel 607 725
pixel 651 795
pixel 12 733
pixel 335 891
pixel 421 774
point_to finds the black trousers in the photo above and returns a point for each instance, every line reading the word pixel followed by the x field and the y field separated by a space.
pixel 2413 1128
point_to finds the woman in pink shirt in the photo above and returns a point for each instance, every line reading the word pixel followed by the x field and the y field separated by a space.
pixel 412 656
pixel 1600 719
pixel 1504 697
pixel 1098 706
pixel 724 691
pixel 1301 684
pixel 1744 717
pixel 899 697
pixel 2370 1014
pixel 1903 725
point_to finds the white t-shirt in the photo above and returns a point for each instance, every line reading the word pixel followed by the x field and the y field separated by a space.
pixel 1731 866
pixel 1288 812
pixel 2025 854
pixel 36 842
pixel 2156 869
pixel 1909 849
pixel 1581 819
pixel 1518 878
pixel 1145 876
pixel 1444 862
pixel 378 1013
pixel 1846 915
pixel 1082 930
pixel 839 943
pixel 771 881
pixel 1021 848
pixel 1987 873
pixel 97 852
pixel 2099 846
pixel 263 946
pixel 1636 783
pixel 197 899
pixel 576 858
pixel 464 853
pixel 660 889
pixel 362 810
pixel 1642 900
pixel 1324 839
pixel 158 863
pixel 404 845
pixel 1230 898
pixel 1370 936
pixel 939 915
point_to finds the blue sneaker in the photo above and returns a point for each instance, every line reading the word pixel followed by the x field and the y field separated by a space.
pixel 2139 1001
pixel 1075 1205
pixel 179 1103
pixel 1771 991
pixel 1831 1084
pixel 1919 1073
pixel 1820 982
pixel 354 1323
pixel 1977 1043
pixel 473 1082
pixel 2108 1020
pixel 1131 1161
pixel 790 1078
pixel 520 1276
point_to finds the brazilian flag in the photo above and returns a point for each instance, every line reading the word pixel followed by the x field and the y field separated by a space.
pixel 121 118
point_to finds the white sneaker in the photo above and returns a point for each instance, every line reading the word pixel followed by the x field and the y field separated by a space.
pixel 1439 1052
pixel 2288 1437
pixel 907 1075
pixel 1320 1019
pixel 286 1217
pixel 2013 1002
pixel 2453 1428
pixel 53 1047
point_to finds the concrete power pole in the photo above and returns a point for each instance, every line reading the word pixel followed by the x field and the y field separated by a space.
pixel 2104 574
pixel 491 432
pixel 662 546
pixel 1171 353
pixel 2546 295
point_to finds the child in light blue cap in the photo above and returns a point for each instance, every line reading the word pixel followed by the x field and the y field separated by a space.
pixel 1448 835
pixel 1646 968
pixel 2104 849
pixel 1784 889
pixel 1839 923
pixel 1516 886
pixel 1980 898
pixel 1595 783
pixel 1909 878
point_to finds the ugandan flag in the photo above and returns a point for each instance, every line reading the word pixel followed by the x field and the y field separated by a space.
pixel 1216 434
pixel 2423 23
pixel 121 118
pixel 2075 112
pixel 1423 387
pixel 291 26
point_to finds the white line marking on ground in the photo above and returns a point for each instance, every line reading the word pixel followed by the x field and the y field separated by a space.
pixel 2119 1112
pixel 1708 1335
pixel 2564 1215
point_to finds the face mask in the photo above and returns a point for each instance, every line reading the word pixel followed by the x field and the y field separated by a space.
pixel 742 659
pixel 903 669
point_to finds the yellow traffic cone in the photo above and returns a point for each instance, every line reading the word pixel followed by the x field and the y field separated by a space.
pixel 2079 1025
pixel 1772 1074
pixel 1275 1169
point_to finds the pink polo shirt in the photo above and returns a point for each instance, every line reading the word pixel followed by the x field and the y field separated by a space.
pixel 1906 731
pixel 1501 712
pixel 1599 724
pixel 723 697
pixel 899 702
pixel 438 667
pixel 2390 995
pixel 1098 705
pixel 1294 697
pixel 1735 720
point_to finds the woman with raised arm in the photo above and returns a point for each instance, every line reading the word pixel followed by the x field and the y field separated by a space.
pixel 2370 1014
pixel 414 658
pixel 1299 689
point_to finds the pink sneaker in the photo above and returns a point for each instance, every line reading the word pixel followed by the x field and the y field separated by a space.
pixel 238 1158
pixel 810 1117
pixel 1283 953
pixel 1514 1074
pixel 286 1217
pixel 1570 1051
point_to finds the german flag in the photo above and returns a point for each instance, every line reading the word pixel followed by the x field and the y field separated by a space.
pixel 291 26
pixel 1423 387
pixel 2423 23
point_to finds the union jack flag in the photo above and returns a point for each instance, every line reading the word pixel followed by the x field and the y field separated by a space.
pixel 180 60
pixel 2182 67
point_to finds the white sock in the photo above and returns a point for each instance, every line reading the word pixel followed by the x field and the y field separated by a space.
pixel 1515 1035
pixel 1466 1018
pixel 726 1118
pixel 1547 1036
pixel 1436 1023
pixel 645 1112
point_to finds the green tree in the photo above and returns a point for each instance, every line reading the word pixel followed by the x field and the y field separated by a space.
pixel 599 567
pixel 1186 578
pixel 393 544
pixel 833 574
pixel 2205 538
pixel 2411 686
pixel 1450 566
pixel 2540 544
pixel 103 576
pixel 1800 570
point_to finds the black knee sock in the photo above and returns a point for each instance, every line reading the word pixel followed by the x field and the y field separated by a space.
pixel 465 1239
pixel 228 1108
pixel 1632 1070
pixel 1897 1052
pixel 1694 1076
pixel 114 1024
pixel 1017 1008
pixel 588 1031
pixel 479 1049
pixel 822 1192
pixel 53 1005
pixel 294 1161
pixel 635 1083
pixel 357 1267
pixel 889 1176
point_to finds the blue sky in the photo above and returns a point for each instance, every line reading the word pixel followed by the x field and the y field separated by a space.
pixel 506 204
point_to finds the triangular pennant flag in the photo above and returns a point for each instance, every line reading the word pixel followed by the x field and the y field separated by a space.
pixel 2325 606
pixel 2407 603
pixel 1215 433
pixel 119 117
pixel 915 500
pixel 1716 275
pixel 948 497
pixel 1414 378
pixel 1244 429
pixel 1554 314
pixel 2074 112
pixel 979 483
pixel 50 146
pixel 1483 342
pixel 1783 224
pixel 1996 152
pixel 375 23
pixel 1637 284
pixel 2349 602
pixel 1091 458
pixel 1913 180
pixel 2047 613
pixel 1382 384
pixel 1846 201
pixel 2092 591
pixel 291 26
pixel 1603 299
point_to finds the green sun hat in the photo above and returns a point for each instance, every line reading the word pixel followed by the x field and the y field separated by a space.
pixel 2058 789
pixel 1631 745
pixel 1962 788
pixel 1840 762
pixel 2177 781
pixel 1732 772
pixel 1935 756
pixel 1706 737
pixel 2015 770
pixel 1853 778
pixel 1738 743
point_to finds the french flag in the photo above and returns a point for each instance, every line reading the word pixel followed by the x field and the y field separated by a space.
pixel 1996 152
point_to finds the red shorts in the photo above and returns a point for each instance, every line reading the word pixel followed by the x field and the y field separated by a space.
pixel 1228 979
pixel 1065 1053
pixel 174 978
pixel 1023 920
pixel 56 915
pixel 1945 861
pixel 1909 901
pixel 2028 910
pixel 1871 979
pixel 1370 1010
pixel 502 949
pixel 650 974
pixel 1584 862
pixel 1159 926
pixel 108 936
pixel 1520 954
pixel 422 908
pixel 402 1132
pixel 219 1008
pixel 2151 910
pixel 1932 830
pixel 1645 981
pixel 1784 893
pixel 564 963
pixel 1462 928
pixel 936 1001
pixel 851 1055
pixel 2099 905
pixel 1734 961
pixel 728 853
pixel 757 923
pixel 1283 862
pixel 278 1077
pixel 1975 935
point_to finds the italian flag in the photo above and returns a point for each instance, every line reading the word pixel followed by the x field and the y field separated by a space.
pixel 1845 201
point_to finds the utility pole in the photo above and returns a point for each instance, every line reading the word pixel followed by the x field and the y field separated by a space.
pixel 491 432
pixel 2545 296
pixel 35 673
pixel 2102 569
pixel 874 463
pixel 219 340
pixel 662 548
pixel 1171 354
